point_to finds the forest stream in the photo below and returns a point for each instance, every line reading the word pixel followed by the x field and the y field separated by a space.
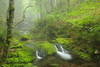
pixel 49 33
pixel 61 58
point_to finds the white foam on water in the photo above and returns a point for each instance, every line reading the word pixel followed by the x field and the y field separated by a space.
pixel 38 57
pixel 64 55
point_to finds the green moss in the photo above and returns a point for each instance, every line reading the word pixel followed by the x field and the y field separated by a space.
pixel 55 65
pixel 48 47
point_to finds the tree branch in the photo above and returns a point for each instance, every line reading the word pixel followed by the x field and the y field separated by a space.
pixel 24 14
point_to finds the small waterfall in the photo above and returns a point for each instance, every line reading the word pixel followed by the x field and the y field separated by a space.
pixel 37 55
pixel 40 53
pixel 25 32
pixel 63 54
pixel 63 50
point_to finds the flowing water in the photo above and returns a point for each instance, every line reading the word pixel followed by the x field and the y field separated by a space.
pixel 62 58
pixel 25 32
pixel 64 55
pixel 37 55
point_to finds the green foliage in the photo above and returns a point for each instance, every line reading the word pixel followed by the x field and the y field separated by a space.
pixel 42 28
pixel 55 65
pixel 20 55
pixel 83 55
pixel 2 32
pixel 29 65
pixel 78 30
pixel 76 27
pixel 62 40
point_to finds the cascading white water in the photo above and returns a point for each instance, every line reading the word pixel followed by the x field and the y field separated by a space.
pixel 63 50
pixel 64 55
pixel 37 55
pixel 25 32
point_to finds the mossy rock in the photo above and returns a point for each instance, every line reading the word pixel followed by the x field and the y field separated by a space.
pixel 24 38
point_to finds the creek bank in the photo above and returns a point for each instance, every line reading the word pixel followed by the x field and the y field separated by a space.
pixel 54 61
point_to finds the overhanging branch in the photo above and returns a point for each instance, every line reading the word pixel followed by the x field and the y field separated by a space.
pixel 23 16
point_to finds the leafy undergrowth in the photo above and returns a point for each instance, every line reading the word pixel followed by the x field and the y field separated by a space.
pixel 78 30
pixel 20 55
pixel 2 32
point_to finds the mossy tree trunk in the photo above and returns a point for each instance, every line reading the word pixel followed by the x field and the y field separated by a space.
pixel 10 18
pixel 68 5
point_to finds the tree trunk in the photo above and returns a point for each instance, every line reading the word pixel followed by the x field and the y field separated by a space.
pixel 10 18
pixel 68 5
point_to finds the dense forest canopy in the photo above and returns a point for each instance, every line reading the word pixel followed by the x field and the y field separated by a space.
pixel 35 33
